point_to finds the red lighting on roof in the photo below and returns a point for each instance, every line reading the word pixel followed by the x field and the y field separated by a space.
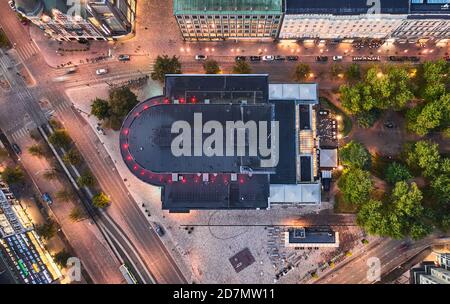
pixel 135 167
pixel 241 180
pixel 142 172
pixel 125 146
pixel 182 100
pixel 183 180
pixel 126 131
pixel 129 157
pixel 166 100
pixel 146 107
pixel 193 99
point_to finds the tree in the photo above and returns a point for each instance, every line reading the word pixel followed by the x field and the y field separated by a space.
pixel 165 65
pixel 302 71
pixel 65 195
pixel 407 199
pixel 86 179
pixel 36 150
pixel 424 118
pixel 371 216
pixel 72 157
pixel 61 139
pixel 121 101
pixel 61 258
pixel 47 230
pixel 336 70
pixel 424 155
pixel 211 67
pixel 354 155
pixel 433 79
pixel 355 185
pixel 441 188
pixel 396 172
pixel 100 108
pixel 13 175
pixel 353 72
pixel 4 42
pixel 242 67
pixel 51 174
pixel 3 154
pixel 77 214
pixel 100 200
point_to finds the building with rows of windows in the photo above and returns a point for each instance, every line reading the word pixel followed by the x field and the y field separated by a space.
pixel 233 19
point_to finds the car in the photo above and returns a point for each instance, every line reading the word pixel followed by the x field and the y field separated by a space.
pixel 46 197
pixel 100 130
pixel 17 149
pixel 12 5
pixel 337 58
pixel 123 57
pixel 101 71
pixel 201 57
pixel 159 230
pixel 292 58
pixel 268 58
pixel 322 58
pixel 255 58
pixel 389 124
pixel 279 58
pixel 240 58
pixel 71 70
pixel 414 58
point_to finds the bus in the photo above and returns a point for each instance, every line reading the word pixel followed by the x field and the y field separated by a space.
pixel 129 277
pixel 23 268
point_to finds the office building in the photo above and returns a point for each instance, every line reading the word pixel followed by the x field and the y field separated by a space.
pixel 209 20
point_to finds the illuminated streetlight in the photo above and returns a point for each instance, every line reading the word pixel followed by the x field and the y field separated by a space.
pixel 338 117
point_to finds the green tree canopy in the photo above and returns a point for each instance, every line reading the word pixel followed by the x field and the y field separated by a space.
pixel 426 117
pixel 36 150
pixel 302 71
pixel 72 157
pixel 355 185
pixel 47 230
pixel 61 139
pixel 424 155
pixel 354 155
pixel 353 72
pixel 13 175
pixel 242 67
pixel 100 108
pixel 86 179
pixel 61 258
pixel 165 65
pixel 121 101
pixel 396 172
pixel 77 214
pixel 211 66
pixel 100 200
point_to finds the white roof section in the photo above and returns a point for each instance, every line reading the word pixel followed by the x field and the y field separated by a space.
pixel 295 194
pixel 306 92
pixel 328 158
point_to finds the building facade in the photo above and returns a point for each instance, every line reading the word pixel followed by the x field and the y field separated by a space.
pixel 88 20
pixel 208 20
pixel 402 20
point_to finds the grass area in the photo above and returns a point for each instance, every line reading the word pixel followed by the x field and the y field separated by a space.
pixel 4 41
pixel 347 125
pixel 341 206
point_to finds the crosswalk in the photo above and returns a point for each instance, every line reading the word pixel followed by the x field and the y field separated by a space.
pixel 27 51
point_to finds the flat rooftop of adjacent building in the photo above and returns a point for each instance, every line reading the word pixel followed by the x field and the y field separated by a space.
pixel 344 7
pixel 226 6
pixel 311 236
pixel 150 137
pixel 252 88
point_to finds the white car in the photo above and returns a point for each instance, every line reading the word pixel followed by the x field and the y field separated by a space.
pixel 268 58
pixel 337 58
pixel 201 57
pixel 12 5
pixel 101 71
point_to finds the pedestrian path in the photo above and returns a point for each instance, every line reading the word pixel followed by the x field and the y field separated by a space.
pixel 27 51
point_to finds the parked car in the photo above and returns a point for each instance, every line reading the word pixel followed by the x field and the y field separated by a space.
pixel 292 58
pixel 100 130
pixel 322 58
pixel 280 58
pixel 240 58
pixel 46 197
pixel 366 58
pixel 17 149
pixel 268 58
pixel 71 70
pixel 12 5
pixel 123 57
pixel 337 58
pixel 255 58
pixel 201 57
pixel 389 124
pixel 101 71
pixel 159 230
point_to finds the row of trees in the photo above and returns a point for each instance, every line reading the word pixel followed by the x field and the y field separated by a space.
pixel 405 210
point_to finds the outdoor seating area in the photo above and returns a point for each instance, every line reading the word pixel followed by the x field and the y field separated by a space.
pixel 327 129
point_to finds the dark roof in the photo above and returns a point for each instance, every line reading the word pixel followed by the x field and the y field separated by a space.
pixel 150 137
pixel 312 236
pixel 305 168
pixel 427 6
pixel 245 193
pixel 218 88
pixel 344 7
pixel 285 172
